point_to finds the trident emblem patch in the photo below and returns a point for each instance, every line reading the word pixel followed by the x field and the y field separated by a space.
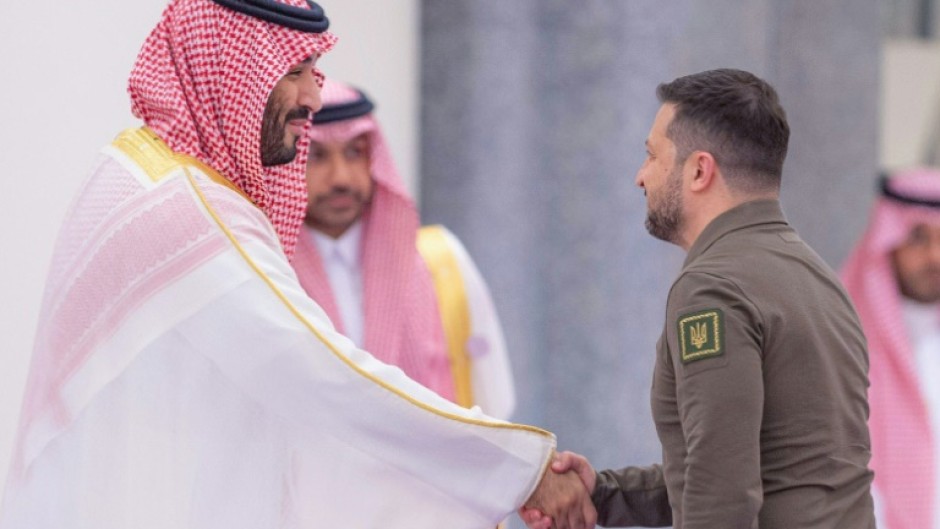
pixel 701 335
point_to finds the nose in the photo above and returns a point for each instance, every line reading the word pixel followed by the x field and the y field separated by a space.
pixel 340 173
pixel 639 179
pixel 309 92
pixel 933 251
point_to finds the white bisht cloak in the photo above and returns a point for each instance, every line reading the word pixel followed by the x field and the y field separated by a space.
pixel 182 378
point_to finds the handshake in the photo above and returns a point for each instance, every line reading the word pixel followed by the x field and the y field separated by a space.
pixel 562 499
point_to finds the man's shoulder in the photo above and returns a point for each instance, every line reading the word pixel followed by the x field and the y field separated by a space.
pixel 143 151
pixel 699 282
pixel 435 245
pixel 753 253
pixel 764 265
pixel 443 253
pixel 436 239
pixel 725 272
pixel 435 230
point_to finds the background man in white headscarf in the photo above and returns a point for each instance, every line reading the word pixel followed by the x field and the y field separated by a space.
pixel 182 378
pixel 893 277
pixel 430 313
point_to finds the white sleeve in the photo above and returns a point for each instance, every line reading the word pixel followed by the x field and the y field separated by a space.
pixel 305 372
pixel 215 393
pixel 491 377
pixel 880 521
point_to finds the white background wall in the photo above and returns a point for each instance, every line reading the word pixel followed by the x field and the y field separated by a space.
pixel 63 85
pixel 910 102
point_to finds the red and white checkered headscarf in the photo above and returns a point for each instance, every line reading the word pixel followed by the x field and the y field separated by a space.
pixel 902 442
pixel 201 82
pixel 402 323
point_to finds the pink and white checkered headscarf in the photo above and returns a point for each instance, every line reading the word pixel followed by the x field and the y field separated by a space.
pixel 402 323
pixel 201 83
pixel 902 441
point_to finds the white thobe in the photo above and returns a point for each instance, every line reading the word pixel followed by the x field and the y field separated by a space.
pixel 183 379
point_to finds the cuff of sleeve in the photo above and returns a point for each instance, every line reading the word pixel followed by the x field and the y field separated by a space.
pixel 637 498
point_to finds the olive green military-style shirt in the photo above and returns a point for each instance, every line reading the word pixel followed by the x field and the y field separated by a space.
pixel 759 391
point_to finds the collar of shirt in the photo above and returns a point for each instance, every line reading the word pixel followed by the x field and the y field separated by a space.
pixel 344 250
pixel 921 319
pixel 741 216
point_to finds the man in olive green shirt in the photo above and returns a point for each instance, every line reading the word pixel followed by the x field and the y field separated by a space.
pixel 761 373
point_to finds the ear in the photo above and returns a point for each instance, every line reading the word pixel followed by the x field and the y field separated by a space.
pixel 703 170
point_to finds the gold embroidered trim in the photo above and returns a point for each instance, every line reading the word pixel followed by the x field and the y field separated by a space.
pixel 148 151
pixel 156 158
pixel 453 306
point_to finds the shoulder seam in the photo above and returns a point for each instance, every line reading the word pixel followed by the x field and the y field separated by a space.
pixel 736 286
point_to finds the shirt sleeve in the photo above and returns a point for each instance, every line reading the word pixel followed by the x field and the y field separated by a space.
pixel 491 376
pixel 714 337
pixel 632 497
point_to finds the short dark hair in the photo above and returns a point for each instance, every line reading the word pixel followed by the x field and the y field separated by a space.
pixel 735 116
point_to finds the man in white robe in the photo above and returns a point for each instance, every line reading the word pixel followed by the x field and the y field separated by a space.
pixel 181 378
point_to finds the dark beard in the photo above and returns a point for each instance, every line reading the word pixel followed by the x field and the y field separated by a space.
pixel 274 151
pixel 663 221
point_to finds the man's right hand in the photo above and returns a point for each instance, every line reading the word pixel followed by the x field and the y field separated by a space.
pixel 536 517
pixel 563 498
pixel 565 461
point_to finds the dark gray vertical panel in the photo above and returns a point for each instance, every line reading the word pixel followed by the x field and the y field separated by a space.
pixel 827 60
pixel 724 34
pixel 478 176
pixel 904 18
pixel 606 279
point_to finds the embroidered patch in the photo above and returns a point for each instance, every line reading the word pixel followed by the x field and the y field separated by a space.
pixel 701 335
